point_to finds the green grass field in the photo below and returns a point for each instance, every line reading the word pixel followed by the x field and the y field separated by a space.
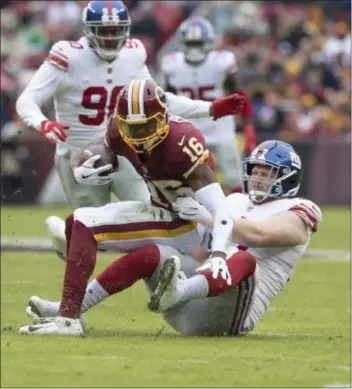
pixel 304 339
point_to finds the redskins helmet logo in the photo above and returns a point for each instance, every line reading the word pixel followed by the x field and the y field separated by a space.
pixel 161 97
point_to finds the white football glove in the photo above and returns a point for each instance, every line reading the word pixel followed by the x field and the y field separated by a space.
pixel 189 209
pixel 218 266
pixel 87 174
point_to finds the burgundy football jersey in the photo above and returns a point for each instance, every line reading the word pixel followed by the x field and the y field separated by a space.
pixel 166 168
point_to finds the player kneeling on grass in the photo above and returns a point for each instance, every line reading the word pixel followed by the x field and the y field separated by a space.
pixel 256 247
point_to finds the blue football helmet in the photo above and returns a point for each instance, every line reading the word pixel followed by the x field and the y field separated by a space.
pixel 197 37
pixel 282 180
pixel 106 26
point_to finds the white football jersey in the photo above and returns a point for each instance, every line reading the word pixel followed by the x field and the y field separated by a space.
pixel 85 89
pixel 203 82
pixel 276 264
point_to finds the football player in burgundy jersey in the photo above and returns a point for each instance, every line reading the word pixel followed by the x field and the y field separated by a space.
pixel 172 157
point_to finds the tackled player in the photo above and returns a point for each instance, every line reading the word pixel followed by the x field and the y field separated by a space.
pixel 267 231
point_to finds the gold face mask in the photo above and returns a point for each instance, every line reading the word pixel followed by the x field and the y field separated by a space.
pixel 143 132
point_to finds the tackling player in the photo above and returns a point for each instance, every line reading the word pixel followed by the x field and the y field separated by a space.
pixel 267 231
pixel 84 78
pixel 200 72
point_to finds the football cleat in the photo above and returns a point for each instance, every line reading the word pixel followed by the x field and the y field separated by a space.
pixel 56 231
pixel 164 296
pixel 39 308
pixel 60 326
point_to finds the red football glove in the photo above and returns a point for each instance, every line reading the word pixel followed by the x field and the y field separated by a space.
pixel 250 139
pixel 227 105
pixel 54 131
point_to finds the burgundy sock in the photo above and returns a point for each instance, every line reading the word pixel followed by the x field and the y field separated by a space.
pixel 241 266
pixel 81 258
pixel 68 232
pixel 132 267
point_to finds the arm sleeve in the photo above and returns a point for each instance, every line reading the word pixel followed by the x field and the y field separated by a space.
pixel 187 108
pixel 40 89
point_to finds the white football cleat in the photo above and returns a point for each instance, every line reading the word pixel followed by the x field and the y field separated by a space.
pixel 165 296
pixel 56 230
pixel 39 308
pixel 61 326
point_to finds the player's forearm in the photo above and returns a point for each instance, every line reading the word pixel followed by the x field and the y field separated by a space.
pixel 286 229
pixel 222 230
pixel 187 108
pixel 29 110
pixel 248 233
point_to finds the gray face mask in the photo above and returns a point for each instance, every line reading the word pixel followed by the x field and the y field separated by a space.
pixel 197 52
pixel 105 45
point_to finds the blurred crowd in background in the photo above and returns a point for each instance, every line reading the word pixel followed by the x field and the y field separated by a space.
pixel 294 59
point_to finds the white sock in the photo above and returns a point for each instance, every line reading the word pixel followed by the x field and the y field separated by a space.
pixel 95 293
pixel 193 288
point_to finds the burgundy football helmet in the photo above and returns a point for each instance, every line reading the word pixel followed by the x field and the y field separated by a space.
pixel 142 115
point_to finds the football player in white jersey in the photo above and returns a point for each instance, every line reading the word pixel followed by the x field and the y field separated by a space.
pixel 256 248
pixel 84 79
pixel 200 72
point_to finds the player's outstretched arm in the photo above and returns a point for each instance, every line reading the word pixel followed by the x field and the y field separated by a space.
pixel 284 229
pixel 193 109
